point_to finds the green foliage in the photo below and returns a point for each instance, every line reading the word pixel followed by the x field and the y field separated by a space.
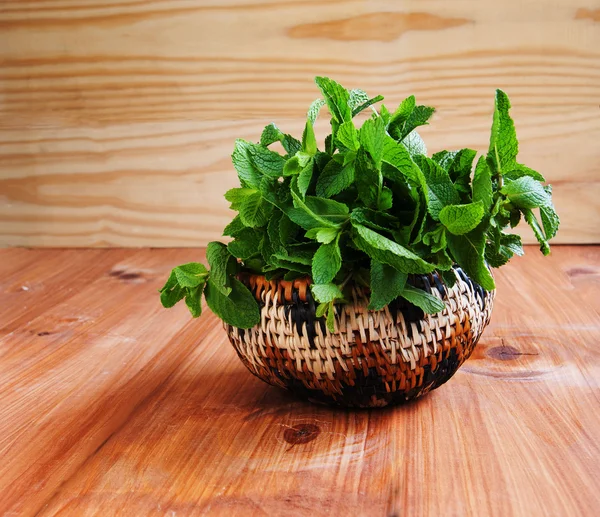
pixel 369 208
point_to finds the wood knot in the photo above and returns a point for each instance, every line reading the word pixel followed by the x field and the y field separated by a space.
pixel 506 353
pixel 134 277
pixel 301 434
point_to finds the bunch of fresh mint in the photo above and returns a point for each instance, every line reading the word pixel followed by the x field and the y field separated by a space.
pixel 370 208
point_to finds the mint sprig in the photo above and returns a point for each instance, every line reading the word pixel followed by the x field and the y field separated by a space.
pixel 367 208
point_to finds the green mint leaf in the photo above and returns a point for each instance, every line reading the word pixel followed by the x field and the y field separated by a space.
pixel 287 230
pixel 366 104
pixel 461 219
pixel 436 239
pixel 459 164
pixel 274 233
pixel 357 97
pixel 191 275
pixel 314 212
pixel 425 301
pixel 374 219
pixel 267 162
pixel 309 141
pixel 242 162
pixel 254 211
pixel 330 322
pixel 550 220
pixel 325 293
pixel 347 135
pixel 218 258
pixel 193 300
pixel 400 116
pixel 297 257
pixel 369 180
pixel 305 177
pixel 291 145
pixel 234 227
pixel 387 284
pixel 525 192
pixel 419 117
pixel 313 111
pixel 449 278
pixel 521 170
pixel 372 136
pixel 512 242
pixel 326 263
pixel 246 244
pixel 336 97
pixel 322 235
pixel 402 164
pixel 321 310
pixel 335 178
pixel 171 292
pixel 537 230
pixel 468 251
pixel 385 114
pixel 239 309
pixel 414 144
pixel 482 184
pixel 441 191
pixel 384 250
pixel 237 196
pixel 504 146
pixel 270 135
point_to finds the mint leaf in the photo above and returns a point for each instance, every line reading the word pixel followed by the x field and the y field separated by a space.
pixel 190 275
pixel 314 212
pixel 322 235
pixel 193 300
pixel 372 136
pixel 219 259
pixel 525 192
pixel 419 117
pixel 171 292
pixel 368 179
pixel 441 191
pixel 461 219
pixel 242 162
pixel 387 284
pixel 550 219
pixel 504 146
pixel 326 263
pixel 270 135
pixel 315 108
pixel 337 99
pixel 305 177
pixel 254 211
pixel 399 158
pixel 325 293
pixel 357 97
pixel 239 309
pixel 234 227
pixel 335 178
pixel 384 250
pixel 287 230
pixel 425 301
pixel 331 317
pixel 237 196
pixel 245 245
pixel 468 252
pixel 482 184
pixel 400 116
pixel 521 170
pixel 309 141
pixel 291 145
pixel 267 162
pixel 356 110
pixel 347 135
pixel 414 144
pixel 512 242
pixel 537 230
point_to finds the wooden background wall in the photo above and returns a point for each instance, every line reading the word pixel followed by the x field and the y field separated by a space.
pixel 117 117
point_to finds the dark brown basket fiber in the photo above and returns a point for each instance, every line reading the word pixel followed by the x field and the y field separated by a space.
pixel 374 358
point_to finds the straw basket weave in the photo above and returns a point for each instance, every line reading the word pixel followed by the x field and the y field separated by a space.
pixel 374 358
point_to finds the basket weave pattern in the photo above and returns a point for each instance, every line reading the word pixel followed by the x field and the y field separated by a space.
pixel 374 358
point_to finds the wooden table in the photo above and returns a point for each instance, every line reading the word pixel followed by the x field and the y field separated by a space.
pixel 110 405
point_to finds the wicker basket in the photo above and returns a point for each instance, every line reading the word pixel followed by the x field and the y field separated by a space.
pixel 374 358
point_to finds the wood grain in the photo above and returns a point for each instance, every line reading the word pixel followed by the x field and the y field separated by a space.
pixel 117 118
pixel 111 406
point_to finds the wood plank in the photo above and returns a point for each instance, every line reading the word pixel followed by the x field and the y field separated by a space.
pixel 117 118
pixel 72 374
pixel 515 432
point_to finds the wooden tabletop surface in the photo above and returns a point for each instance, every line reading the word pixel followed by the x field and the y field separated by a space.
pixel 110 405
